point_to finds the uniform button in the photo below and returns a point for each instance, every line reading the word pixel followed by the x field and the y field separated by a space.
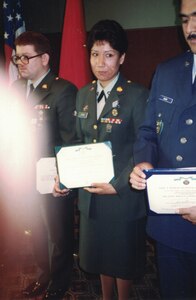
pixel 183 140
pixel 179 158
pixel 189 122
pixel 95 127
pixel 94 140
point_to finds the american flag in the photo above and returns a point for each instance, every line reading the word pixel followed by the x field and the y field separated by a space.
pixel 13 26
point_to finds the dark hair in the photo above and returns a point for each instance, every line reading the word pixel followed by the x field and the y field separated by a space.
pixel 36 39
pixel 111 32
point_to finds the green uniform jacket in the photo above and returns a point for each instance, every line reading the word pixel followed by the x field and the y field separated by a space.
pixel 51 109
pixel 118 123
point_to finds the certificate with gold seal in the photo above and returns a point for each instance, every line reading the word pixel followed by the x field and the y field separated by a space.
pixel 82 165
pixel 171 189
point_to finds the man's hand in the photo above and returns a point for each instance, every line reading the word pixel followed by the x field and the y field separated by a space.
pixel 188 214
pixel 57 192
pixel 137 176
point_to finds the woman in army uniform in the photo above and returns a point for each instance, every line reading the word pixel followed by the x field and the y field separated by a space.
pixel 112 220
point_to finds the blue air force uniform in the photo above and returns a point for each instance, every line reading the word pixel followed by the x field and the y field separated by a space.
pixel 167 139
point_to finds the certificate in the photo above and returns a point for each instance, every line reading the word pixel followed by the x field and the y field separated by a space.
pixel 81 165
pixel 170 189
pixel 46 171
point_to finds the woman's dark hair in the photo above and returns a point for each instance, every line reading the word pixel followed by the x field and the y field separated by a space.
pixel 36 39
pixel 111 32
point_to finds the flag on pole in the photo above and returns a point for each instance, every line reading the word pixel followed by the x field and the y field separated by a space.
pixel 74 61
pixel 13 26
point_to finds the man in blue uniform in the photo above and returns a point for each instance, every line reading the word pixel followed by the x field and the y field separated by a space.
pixel 167 139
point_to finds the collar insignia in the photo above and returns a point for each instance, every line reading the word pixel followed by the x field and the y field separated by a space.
pixel 119 89
pixel 44 86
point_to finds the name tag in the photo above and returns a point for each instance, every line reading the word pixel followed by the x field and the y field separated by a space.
pixel 166 99
pixel 82 114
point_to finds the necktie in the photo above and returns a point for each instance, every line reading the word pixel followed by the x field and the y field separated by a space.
pixel 100 103
pixel 31 89
pixel 101 95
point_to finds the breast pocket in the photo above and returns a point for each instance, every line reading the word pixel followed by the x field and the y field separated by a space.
pixel 165 118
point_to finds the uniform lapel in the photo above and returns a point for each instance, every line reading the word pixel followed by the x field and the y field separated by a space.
pixel 91 101
pixel 42 90
pixel 185 85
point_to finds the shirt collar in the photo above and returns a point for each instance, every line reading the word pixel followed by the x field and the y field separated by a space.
pixel 108 88
pixel 194 67
pixel 36 83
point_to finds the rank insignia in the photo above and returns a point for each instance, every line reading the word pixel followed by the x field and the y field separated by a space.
pixel 114 112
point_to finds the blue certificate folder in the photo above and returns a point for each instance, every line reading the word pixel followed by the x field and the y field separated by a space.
pixel 184 180
pixel 176 171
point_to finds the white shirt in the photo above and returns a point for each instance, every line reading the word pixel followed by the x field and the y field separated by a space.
pixel 107 90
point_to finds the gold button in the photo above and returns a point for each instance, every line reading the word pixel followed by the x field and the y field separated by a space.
pixel 94 140
pixel 95 126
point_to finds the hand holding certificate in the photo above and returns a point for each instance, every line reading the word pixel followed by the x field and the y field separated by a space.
pixel 171 189
pixel 80 166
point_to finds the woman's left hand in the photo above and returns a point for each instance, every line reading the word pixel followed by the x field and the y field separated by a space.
pixel 101 189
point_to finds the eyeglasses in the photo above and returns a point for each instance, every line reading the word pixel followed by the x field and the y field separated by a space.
pixel 23 58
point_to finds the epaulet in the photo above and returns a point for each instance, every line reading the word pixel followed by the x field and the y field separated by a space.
pixel 92 85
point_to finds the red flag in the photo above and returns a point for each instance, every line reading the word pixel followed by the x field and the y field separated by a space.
pixel 13 26
pixel 74 61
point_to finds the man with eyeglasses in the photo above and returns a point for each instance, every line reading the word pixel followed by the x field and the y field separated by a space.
pixel 51 101
pixel 167 139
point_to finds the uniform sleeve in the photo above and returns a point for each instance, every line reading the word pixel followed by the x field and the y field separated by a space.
pixel 66 108
pixel 145 148
pixel 79 99
pixel 121 183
